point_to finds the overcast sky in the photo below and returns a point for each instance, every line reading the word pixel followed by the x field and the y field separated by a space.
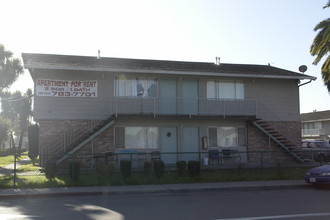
pixel 278 32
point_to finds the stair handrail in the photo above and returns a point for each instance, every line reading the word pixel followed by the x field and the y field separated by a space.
pixel 259 103
pixel 67 138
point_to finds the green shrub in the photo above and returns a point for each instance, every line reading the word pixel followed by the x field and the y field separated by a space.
pixel 159 168
pixel 126 168
pixel 50 170
pixel 33 138
pixel 111 169
pixel 181 167
pixel 100 169
pixel 147 168
pixel 194 168
pixel 74 171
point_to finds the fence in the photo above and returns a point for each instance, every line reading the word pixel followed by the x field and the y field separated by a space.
pixel 20 171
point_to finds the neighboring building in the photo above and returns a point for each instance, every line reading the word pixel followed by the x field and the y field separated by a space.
pixel 169 106
pixel 316 125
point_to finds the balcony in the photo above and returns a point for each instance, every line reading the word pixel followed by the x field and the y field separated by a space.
pixel 312 132
pixel 184 106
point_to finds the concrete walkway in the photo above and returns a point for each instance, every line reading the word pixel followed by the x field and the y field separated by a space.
pixel 166 188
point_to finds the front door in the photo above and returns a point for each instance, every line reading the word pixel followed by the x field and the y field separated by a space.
pixel 190 97
pixel 190 144
pixel 167 90
pixel 168 145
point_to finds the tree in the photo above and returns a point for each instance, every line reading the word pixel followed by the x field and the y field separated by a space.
pixel 18 108
pixel 24 111
pixel 321 48
pixel 4 129
pixel 10 68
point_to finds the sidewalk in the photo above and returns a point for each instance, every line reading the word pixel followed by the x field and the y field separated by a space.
pixel 111 190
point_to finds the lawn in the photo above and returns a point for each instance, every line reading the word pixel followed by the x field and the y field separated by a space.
pixel 28 176
pixel 169 177
pixel 6 160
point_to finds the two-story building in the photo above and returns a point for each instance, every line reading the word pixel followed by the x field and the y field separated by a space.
pixel 91 105
pixel 316 125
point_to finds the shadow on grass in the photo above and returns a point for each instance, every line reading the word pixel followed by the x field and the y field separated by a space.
pixel 169 177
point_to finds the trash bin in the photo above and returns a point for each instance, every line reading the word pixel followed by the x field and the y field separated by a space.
pixel 205 161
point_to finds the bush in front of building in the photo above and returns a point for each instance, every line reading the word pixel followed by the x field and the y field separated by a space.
pixel 50 170
pixel 126 168
pixel 194 168
pixel 181 167
pixel 74 171
pixel 100 169
pixel 111 169
pixel 147 168
pixel 159 168
pixel 33 138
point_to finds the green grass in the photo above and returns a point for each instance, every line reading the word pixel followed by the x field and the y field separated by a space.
pixel 27 167
pixel 6 160
pixel 140 178
pixel 170 177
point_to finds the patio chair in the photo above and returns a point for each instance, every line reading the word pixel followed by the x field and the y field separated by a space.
pixel 214 155
pixel 230 154
pixel 155 155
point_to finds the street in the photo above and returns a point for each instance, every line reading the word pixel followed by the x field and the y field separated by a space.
pixel 302 203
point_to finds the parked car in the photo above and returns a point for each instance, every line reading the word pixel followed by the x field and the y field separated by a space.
pixel 318 150
pixel 318 175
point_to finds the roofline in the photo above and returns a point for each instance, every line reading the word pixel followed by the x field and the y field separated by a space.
pixel 165 72
pixel 316 120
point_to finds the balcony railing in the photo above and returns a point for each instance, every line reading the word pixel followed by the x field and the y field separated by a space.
pixel 311 132
pixel 184 106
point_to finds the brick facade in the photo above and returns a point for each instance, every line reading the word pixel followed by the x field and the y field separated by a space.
pixel 55 133
pixel 52 131
pixel 258 141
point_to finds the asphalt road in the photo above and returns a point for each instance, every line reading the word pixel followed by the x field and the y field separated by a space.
pixel 302 203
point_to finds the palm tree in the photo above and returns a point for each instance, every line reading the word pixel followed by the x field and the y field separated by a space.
pixel 24 111
pixel 321 48
pixel 18 108
pixel 10 68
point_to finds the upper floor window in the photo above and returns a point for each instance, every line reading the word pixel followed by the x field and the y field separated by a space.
pixel 229 89
pixel 131 86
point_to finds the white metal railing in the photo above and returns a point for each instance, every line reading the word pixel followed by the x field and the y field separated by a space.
pixel 65 139
pixel 184 106
pixel 311 132
pixel 160 106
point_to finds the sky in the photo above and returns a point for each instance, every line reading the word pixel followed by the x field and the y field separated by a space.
pixel 275 32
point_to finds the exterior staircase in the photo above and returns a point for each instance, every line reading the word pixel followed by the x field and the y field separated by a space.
pixel 277 137
pixel 71 147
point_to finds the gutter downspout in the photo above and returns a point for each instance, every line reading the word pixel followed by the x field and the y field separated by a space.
pixel 306 82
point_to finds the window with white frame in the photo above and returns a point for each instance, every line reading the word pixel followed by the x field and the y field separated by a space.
pixel 225 89
pixel 227 136
pixel 313 125
pixel 136 137
pixel 131 86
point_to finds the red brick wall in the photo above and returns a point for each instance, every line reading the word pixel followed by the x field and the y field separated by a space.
pixel 54 133
pixel 258 141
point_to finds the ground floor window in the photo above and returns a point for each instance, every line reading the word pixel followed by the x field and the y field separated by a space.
pixel 227 136
pixel 136 137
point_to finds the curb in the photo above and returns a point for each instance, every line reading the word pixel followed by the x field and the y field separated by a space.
pixel 119 190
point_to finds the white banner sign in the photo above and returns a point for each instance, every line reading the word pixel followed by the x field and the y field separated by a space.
pixel 66 88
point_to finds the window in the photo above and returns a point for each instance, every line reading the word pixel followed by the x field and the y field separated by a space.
pixel 136 87
pixel 313 125
pixel 136 137
pixel 227 136
pixel 225 89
